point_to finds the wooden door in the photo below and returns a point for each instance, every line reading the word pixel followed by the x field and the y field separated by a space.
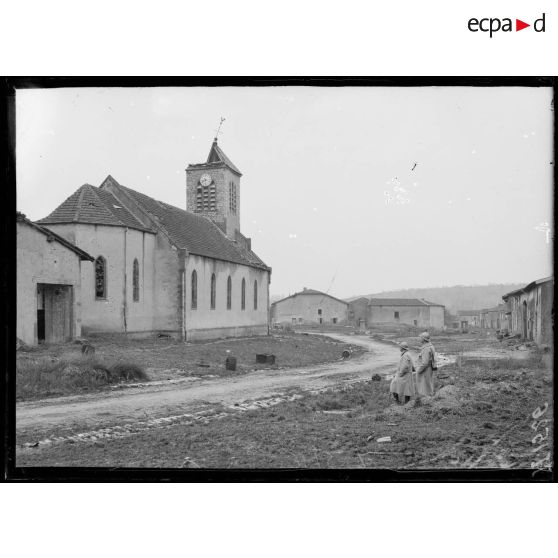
pixel 58 313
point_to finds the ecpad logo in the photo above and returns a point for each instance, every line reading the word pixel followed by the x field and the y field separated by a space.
pixel 493 25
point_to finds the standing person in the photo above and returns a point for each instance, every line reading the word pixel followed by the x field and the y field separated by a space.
pixel 426 365
pixel 402 384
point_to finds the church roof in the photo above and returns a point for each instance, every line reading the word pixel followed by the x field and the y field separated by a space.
pixel 194 233
pixel 93 205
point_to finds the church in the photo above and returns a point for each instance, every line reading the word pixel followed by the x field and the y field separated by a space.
pixel 158 269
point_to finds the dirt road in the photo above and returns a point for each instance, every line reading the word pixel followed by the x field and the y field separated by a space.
pixel 80 413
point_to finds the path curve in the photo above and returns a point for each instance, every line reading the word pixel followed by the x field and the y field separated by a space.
pixel 79 413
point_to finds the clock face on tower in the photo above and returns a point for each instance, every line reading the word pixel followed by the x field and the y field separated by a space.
pixel 205 180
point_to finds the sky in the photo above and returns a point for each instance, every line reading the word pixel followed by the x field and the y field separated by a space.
pixel 346 190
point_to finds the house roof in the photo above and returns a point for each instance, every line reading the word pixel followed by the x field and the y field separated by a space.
pixel 20 218
pixel 528 287
pixel 401 302
pixel 468 312
pixel 311 292
pixel 93 205
pixel 360 299
pixel 194 233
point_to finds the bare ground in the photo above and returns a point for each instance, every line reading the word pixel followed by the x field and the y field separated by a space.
pixel 54 417
pixel 322 416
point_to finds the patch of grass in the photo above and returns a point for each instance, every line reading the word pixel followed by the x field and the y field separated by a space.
pixel 49 376
pixel 165 358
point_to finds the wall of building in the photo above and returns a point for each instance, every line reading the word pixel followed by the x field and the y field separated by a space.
pixel 40 261
pixel 358 312
pixel 118 312
pixel 538 307
pixel 303 308
pixel 419 316
pixel 204 322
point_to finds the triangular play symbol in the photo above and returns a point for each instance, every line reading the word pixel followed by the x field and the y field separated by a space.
pixel 519 25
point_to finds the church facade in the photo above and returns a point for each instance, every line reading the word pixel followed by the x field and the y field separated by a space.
pixel 160 269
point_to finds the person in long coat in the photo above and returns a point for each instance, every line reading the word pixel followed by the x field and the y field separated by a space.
pixel 402 383
pixel 425 373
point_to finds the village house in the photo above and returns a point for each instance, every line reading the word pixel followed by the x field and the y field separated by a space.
pixel 410 311
pixel 530 311
pixel 48 284
pixel 160 269
pixel 309 307
pixel 468 318
pixel 494 318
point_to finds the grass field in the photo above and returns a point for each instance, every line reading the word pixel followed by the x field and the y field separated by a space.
pixel 54 370
pixel 481 416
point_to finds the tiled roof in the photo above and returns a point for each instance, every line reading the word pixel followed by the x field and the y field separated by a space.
pixel 92 205
pixel 400 302
pixel 194 233
pixel 49 234
pixel 311 292
pixel 528 287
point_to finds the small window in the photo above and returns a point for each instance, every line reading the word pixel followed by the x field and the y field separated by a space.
pixel 319 311
pixel 334 320
pixel 135 280
pixel 229 293
pixel 396 315
pixel 255 295
pixel 415 322
pixel 299 320
pixel 100 278
pixel 321 320
pixel 194 286
pixel 213 290
pixel 243 295
pixel 294 320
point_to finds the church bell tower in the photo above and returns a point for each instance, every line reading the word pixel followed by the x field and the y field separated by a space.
pixel 213 190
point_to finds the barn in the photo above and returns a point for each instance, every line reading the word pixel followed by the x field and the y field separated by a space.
pixel 410 311
pixel 48 272
pixel 309 307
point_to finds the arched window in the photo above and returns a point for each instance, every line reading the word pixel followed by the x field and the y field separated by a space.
pixel 100 277
pixel 255 295
pixel 194 285
pixel 243 295
pixel 229 293
pixel 135 280
pixel 213 291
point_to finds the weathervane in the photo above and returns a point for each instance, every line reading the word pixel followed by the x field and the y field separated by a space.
pixel 219 128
